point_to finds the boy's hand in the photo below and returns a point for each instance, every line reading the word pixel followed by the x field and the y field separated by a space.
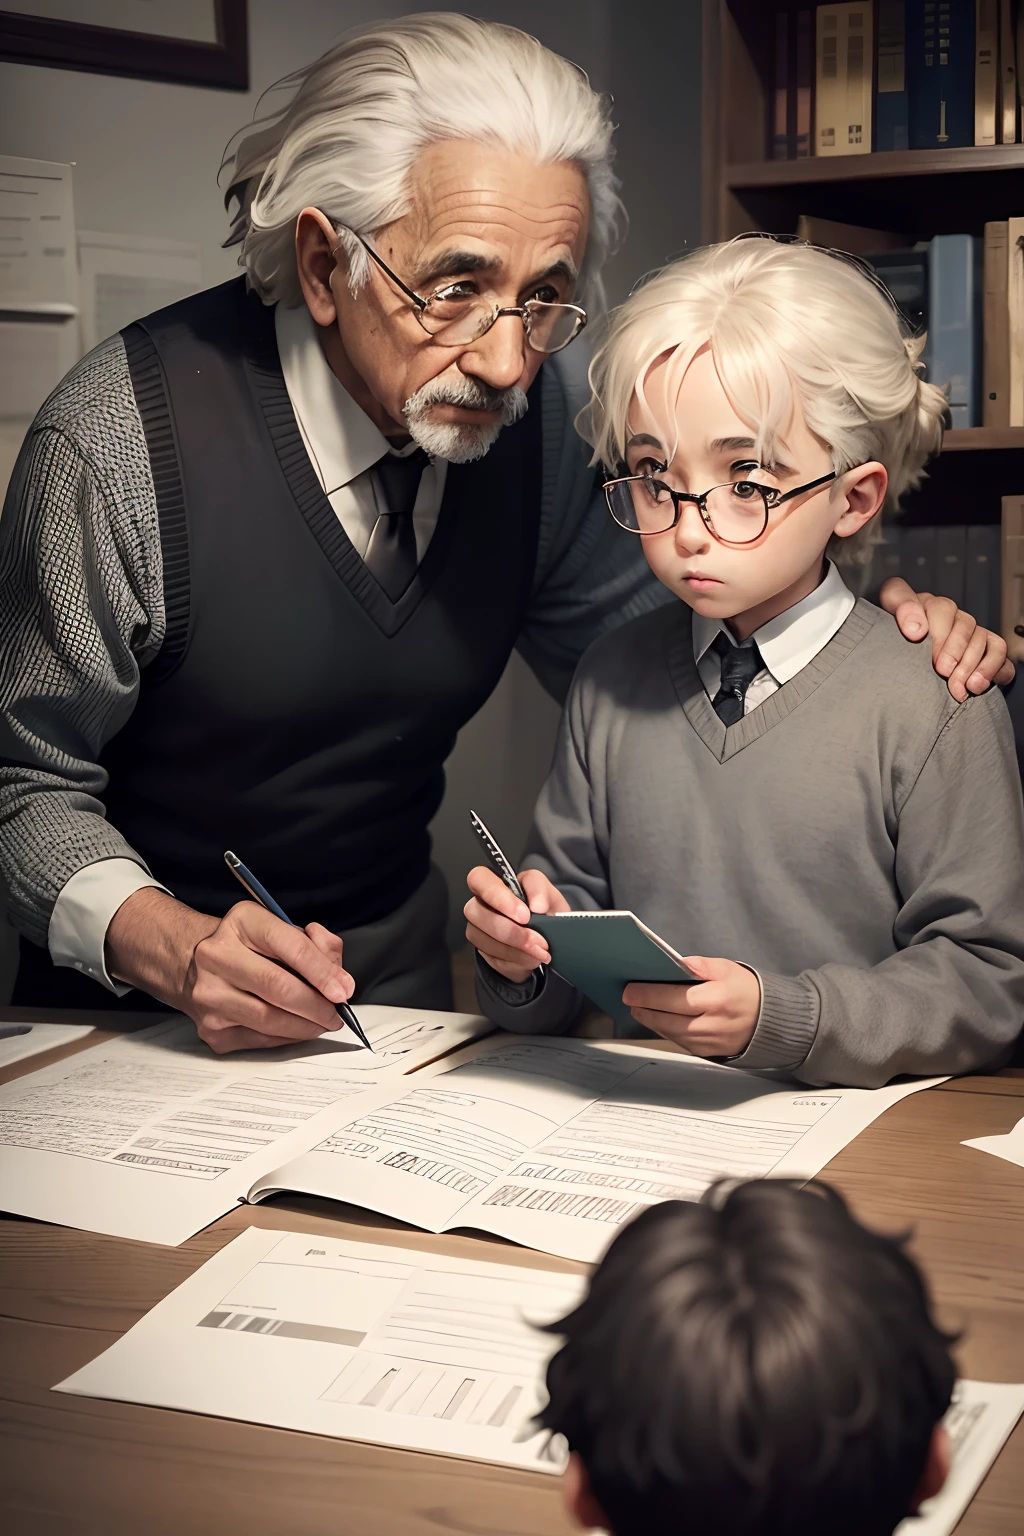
pixel 713 1017
pixel 496 920
pixel 969 657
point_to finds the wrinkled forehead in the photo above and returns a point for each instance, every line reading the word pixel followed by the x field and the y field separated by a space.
pixel 497 202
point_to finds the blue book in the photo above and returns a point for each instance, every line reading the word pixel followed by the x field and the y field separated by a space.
pixel 954 324
pixel 940 73
pixel 892 109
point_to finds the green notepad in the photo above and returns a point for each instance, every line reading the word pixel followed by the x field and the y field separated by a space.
pixel 602 952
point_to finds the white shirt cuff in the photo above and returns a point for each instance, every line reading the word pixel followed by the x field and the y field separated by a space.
pixel 83 912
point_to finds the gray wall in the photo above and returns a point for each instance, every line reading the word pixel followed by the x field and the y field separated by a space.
pixel 146 158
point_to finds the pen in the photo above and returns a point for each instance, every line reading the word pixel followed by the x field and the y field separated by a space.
pixel 259 893
pixel 497 858
pixel 7 1031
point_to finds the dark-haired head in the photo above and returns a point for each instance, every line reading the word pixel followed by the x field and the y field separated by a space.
pixel 759 1364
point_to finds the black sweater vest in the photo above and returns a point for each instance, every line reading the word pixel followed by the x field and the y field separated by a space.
pixel 294 713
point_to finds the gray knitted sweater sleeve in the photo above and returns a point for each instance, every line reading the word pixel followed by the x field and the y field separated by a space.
pixel 81 610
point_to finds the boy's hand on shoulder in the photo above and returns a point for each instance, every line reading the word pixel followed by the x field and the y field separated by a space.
pixel 496 920
pixel 970 657
pixel 715 1016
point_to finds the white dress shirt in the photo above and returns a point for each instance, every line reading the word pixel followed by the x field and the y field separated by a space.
pixel 343 445
pixel 787 643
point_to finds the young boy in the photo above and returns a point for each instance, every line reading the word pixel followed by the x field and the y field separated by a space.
pixel 755 1365
pixel 765 773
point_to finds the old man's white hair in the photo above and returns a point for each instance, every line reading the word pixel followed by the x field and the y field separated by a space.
pixel 362 113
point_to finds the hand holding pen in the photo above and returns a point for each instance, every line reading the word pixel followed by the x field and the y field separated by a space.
pixel 259 893
pixel 498 911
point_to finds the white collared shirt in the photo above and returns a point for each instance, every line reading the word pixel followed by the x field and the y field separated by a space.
pixel 343 445
pixel 787 643
pixel 342 442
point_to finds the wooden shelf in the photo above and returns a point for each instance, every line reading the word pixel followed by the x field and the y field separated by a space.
pixel 876 167
pixel 979 438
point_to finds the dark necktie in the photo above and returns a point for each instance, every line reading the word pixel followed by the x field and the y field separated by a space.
pixel 391 553
pixel 740 665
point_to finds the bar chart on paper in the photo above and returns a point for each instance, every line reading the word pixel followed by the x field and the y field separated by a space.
pixel 352 1339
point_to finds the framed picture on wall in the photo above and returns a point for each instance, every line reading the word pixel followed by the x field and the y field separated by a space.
pixel 192 42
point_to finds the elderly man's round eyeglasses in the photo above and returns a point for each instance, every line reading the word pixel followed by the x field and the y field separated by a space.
pixel 733 514
pixel 457 314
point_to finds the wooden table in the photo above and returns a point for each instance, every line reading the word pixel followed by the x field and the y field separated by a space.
pixel 72 1466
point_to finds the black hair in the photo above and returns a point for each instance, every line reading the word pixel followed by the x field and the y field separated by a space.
pixel 758 1364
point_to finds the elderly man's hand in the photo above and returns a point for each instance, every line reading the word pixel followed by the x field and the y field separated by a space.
pixel 969 657
pixel 247 981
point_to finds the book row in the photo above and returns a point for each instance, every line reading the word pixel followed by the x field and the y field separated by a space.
pixel 895 75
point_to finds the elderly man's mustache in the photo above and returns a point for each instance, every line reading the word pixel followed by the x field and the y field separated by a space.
pixel 471 394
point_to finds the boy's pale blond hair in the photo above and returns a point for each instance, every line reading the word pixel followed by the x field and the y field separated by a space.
pixel 787 325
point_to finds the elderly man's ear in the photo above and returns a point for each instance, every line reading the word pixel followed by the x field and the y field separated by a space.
pixel 315 243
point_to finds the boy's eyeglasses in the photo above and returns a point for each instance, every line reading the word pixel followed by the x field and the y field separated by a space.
pixel 733 514
pixel 455 318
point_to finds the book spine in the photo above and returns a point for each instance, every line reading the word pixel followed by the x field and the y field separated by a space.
pixel 891 120
pixel 1015 311
pixel 804 82
pixel 940 72
pixel 780 108
pixel 1007 75
pixel 1012 562
pixel 996 328
pixel 986 53
pixel 981 574
pixel 830 70
pixel 953 333
pixel 860 57
pixel 950 549
pixel 918 558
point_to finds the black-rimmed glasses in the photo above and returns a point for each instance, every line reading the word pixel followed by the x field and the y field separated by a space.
pixel 455 317
pixel 733 514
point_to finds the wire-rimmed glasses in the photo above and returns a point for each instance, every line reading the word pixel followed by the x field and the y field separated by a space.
pixel 454 318
pixel 736 513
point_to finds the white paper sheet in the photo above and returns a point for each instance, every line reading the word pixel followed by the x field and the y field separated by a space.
pixel 980 1421
pixel 556 1143
pixel 40 1037
pixel 356 1340
pixel 406 1348
pixel 123 277
pixel 38 274
pixel 153 1137
pixel 1009 1146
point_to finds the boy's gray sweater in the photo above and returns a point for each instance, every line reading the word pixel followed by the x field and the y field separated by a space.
pixel 858 839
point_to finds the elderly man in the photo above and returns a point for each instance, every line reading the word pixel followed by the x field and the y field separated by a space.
pixel 266 551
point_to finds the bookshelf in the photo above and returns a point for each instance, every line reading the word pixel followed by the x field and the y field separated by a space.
pixel 915 194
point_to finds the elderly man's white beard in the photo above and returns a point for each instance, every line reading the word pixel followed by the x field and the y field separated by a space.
pixel 460 444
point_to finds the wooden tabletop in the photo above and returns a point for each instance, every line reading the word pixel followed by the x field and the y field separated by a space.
pixel 75 1465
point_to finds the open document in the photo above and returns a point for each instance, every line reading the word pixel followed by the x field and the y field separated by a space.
pixel 351 1339
pixel 555 1143
pixel 153 1136
pixel 406 1348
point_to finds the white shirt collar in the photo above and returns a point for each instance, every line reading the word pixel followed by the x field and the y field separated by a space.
pixel 787 643
pixel 340 438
